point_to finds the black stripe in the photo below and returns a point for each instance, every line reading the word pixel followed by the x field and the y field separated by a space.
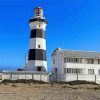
pixel 37 33
pixel 38 19
pixel 37 54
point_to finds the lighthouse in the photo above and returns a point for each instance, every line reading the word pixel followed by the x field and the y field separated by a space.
pixel 36 59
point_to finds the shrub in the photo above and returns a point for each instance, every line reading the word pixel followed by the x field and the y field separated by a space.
pixel 77 82
pixel 23 81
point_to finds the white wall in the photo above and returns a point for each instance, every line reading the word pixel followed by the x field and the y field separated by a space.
pixel 37 24
pixel 96 67
pixel 74 77
pixel 31 65
pixel 25 75
pixel 34 42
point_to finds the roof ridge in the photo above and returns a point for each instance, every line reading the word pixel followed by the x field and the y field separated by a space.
pixel 81 51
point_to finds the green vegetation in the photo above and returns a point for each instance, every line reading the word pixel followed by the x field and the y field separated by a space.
pixel 22 81
pixel 77 82
pixel 51 83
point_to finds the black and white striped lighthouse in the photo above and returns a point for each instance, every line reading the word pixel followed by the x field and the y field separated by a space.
pixel 36 59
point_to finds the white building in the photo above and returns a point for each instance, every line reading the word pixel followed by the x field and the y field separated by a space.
pixel 70 65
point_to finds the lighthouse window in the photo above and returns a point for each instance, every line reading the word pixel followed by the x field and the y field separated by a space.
pixel 53 61
pixel 38 46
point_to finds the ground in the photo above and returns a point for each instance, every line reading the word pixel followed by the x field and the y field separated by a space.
pixel 21 91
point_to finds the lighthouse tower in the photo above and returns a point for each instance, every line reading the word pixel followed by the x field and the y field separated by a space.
pixel 36 59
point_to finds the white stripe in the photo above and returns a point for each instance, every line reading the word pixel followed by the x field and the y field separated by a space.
pixel 32 63
pixel 37 25
pixel 34 42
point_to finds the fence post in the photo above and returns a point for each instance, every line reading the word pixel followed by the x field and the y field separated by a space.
pixel 32 76
pixel 18 76
pixel 11 76
pixel 40 77
pixel 95 78
pixel 77 76
pixel 77 73
pixel 25 77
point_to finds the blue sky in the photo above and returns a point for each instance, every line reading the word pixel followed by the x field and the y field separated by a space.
pixel 72 24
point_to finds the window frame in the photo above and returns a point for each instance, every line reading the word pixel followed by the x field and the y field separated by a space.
pixel 39 46
pixel 90 61
pixel 72 60
pixel 73 71
pixel 91 71
pixel 53 61
pixel 98 61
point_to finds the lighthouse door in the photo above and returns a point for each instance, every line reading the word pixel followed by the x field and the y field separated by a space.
pixel 39 69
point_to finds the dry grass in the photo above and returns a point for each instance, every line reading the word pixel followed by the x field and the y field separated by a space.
pixel 51 91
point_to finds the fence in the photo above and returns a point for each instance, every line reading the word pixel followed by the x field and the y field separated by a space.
pixel 41 76
pixel 74 77
pixel 86 77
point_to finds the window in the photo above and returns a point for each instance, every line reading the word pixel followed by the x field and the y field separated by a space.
pixel 64 60
pixel 80 71
pixel 98 61
pixel 53 61
pixel 99 71
pixel 90 71
pixel 73 71
pixel 73 60
pixel 56 70
pixel 38 46
pixel 90 61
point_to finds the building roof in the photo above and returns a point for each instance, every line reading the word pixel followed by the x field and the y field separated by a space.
pixel 80 54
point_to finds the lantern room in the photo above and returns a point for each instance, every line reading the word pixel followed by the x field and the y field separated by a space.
pixel 38 12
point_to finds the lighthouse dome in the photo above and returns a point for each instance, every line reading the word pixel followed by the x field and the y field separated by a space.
pixel 38 8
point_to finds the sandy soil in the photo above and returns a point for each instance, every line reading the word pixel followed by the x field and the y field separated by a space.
pixel 20 91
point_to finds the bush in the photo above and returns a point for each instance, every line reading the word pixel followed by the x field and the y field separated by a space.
pixel 77 82
pixel 23 81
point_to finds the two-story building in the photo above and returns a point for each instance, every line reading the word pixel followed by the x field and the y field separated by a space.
pixel 70 65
